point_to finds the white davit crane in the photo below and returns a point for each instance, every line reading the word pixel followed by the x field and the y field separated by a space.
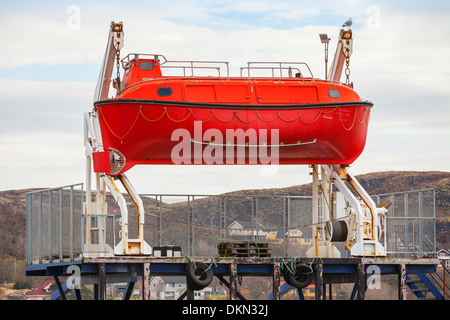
pixel 113 47
pixel 94 146
pixel 342 55
pixel 348 215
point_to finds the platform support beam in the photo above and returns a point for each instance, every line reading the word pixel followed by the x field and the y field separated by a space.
pixel 77 293
pixel 227 284
pixel 401 282
pixel 146 281
pixel 233 281
pixel 360 281
pixel 319 281
pixel 101 281
pixel 60 288
pixel 276 281
pixel 129 291
pixel 189 293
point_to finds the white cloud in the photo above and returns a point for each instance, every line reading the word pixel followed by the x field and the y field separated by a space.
pixel 270 9
pixel 400 66
pixel 30 106
pixel 41 160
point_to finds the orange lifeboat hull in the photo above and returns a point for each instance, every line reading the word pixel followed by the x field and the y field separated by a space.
pixel 234 121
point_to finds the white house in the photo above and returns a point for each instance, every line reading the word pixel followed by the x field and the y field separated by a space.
pixel 246 228
pixel 444 256
pixel 293 236
pixel 42 292
pixel 172 287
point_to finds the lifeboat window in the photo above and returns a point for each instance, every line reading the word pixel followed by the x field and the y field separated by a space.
pixel 334 93
pixel 145 65
pixel 164 91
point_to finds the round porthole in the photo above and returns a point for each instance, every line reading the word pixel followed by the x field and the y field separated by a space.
pixel 334 93
pixel 164 91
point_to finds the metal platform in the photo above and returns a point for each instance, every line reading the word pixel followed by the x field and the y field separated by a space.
pixel 327 271
pixel 58 234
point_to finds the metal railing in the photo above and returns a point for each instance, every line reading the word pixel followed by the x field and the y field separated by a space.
pixel 410 223
pixel 198 222
pixel 56 225
pixel 442 279
pixel 197 68
pixel 284 69
pixel 189 68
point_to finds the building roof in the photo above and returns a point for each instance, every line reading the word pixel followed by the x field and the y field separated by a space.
pixel 41 290
pixel 173 279
pixel 248 224
pixel 305 232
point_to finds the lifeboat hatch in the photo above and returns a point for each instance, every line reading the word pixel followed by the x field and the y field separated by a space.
pixel 140 69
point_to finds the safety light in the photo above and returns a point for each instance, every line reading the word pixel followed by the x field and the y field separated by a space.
pixel 347 34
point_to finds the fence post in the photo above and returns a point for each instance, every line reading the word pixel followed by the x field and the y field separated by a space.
pixel 40 228
pixel 71 236
pixel 60 229
pixel 29 229
pixel 188 216
pixel 50 216
pixel 434 220
pixel 192 226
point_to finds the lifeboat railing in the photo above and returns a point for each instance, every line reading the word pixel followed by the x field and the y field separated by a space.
pixel 188 67
pixel 291 68
pixel 192 68
pixel 196 65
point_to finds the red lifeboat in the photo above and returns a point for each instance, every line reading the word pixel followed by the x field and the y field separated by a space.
pixel 288 117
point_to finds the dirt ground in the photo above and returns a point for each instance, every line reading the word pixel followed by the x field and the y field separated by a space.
pixel 8 293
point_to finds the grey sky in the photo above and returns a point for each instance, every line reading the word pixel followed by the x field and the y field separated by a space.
pixel 51 55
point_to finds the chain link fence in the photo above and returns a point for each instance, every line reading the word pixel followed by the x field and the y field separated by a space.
pixel 54 224
pixel 58 230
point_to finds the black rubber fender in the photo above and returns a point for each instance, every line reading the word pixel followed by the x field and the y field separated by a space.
pixel 302 277
pixel 284 272
pixel 198 275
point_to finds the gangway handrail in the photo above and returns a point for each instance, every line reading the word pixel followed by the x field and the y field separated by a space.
pixel 441 281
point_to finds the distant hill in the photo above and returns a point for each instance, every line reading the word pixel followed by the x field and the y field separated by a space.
pixel 13 204
pixel 385 182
